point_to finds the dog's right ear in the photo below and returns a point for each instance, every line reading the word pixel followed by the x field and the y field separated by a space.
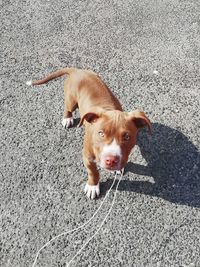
pixel 89 117
pixel 140 120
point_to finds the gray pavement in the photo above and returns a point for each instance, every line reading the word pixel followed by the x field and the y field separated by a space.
pixel 148 52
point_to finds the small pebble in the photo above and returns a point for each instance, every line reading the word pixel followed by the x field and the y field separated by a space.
pixel 155 72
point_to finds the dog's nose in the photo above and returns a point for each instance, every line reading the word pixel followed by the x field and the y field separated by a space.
pixel 111 161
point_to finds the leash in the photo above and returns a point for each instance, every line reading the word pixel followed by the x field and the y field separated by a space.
pixel 84 224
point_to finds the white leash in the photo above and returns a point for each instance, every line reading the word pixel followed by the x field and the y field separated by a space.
pixel 102 221
pixel 84 224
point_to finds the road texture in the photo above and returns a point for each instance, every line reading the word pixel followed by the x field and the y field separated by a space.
pixel 148 52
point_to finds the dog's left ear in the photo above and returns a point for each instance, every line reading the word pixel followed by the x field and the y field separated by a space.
pixel 140 120
pixel 89 117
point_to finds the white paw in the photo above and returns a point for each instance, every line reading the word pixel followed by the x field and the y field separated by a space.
pixel 92 191
pixel 67 122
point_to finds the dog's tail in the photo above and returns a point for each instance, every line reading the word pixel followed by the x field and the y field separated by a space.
pixel 51 76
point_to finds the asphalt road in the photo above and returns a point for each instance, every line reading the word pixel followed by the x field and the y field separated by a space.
pixel 148 52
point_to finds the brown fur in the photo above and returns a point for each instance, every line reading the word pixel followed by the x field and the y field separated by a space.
pixel 101 112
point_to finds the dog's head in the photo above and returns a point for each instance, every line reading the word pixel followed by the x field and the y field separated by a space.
pixel 113 134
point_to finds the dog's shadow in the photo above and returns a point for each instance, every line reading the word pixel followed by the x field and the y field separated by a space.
pixel 173 162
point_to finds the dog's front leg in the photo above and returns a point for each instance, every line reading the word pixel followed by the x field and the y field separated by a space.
pixel 92 188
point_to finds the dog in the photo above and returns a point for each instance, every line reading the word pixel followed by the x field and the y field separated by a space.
pixel 110 133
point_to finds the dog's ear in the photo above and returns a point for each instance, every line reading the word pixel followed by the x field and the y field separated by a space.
pixel 89 117
pixel 140 120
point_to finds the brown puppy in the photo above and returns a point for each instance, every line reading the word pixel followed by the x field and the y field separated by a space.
pixel 110 133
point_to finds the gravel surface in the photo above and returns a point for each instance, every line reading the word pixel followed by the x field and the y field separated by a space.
pixel 148 52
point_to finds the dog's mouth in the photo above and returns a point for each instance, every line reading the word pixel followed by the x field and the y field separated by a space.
pixel 114 168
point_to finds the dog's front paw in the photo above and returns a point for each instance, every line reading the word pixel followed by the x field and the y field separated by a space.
pixel 67 122
pixel 92 191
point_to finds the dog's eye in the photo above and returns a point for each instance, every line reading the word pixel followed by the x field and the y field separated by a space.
pixel 126 137
pixel 101 133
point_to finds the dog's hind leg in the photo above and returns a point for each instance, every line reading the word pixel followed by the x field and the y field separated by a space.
pixel 70 104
